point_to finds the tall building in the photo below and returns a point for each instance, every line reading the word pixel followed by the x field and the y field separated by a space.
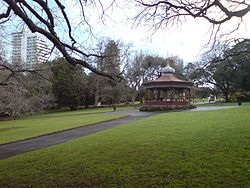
pixel 19 46
pixel 37 50
pixel 28 48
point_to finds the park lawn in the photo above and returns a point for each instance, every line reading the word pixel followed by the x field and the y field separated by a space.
pixel 14 130
pixel 82 111
pixel 223 104
pixel 179 149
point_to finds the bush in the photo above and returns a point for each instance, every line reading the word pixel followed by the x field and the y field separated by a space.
pixel 240 96
pixel 166 108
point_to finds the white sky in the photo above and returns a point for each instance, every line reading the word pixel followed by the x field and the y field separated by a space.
pixel 186 41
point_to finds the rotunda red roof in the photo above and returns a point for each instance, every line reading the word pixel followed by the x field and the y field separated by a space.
pixel 168 79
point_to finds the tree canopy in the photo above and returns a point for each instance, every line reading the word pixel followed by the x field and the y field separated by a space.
pixel 228 71
pixel 68 83
pixel 52 18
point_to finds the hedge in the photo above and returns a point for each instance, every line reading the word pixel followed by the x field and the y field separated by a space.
pixel 151 108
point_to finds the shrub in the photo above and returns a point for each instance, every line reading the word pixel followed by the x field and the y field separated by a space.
pixel 240 96
pixel 152 108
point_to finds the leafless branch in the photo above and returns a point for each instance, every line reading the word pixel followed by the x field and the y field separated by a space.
pixel 26 11
pixel 165 13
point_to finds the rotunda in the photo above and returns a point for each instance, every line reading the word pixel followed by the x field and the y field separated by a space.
pixel 168 90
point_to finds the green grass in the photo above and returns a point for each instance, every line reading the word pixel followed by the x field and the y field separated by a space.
pixel 14 130
pixel 223 104
pixel 82 111
pixel 183 149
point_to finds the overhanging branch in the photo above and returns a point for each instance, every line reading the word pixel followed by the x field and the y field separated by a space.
pixel 50 33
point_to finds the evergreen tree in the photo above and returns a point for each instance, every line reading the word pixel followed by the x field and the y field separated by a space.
pixel 69 84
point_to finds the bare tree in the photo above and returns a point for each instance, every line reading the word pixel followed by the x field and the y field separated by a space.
pixel 51 19
pixel 23 92
pixel 171 11
pixel 225 69
pixel 166 13
pixel 54 20
pixel 135 75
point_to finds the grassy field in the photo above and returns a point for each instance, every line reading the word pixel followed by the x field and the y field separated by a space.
pixel 183 149
pixel 82 111
pixel 222 104
pixel 20 129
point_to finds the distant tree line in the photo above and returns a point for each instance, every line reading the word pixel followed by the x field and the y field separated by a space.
pixel 53 20
pixel 226 68
pixel 56 84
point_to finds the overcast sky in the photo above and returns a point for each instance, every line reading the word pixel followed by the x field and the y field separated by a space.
pixel 187 40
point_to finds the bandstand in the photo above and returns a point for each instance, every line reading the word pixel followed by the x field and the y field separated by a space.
pixel 167 91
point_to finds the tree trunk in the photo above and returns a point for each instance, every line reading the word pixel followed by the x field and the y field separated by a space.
pixel 96 99
pixel 226 92
pixel 73 107
pixel 133 99
pixel 226 95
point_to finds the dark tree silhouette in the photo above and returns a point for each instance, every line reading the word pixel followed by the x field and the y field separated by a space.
pixel 169 11
pixel 49 18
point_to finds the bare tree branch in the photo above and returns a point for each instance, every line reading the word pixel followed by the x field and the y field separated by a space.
pixel 6 14
pixel 165 13
pixel 20 9
pixel 67 20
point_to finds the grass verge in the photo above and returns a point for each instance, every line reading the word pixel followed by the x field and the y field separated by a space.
pixel 14 130
pixel 82 111
pixel 223 104
pixel 184 149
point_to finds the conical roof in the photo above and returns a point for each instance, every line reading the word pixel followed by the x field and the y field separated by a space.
pixel 168 79
pixel 168 70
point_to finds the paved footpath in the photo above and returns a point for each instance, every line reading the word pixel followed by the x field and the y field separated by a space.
pixel 201 108
pixel 15 148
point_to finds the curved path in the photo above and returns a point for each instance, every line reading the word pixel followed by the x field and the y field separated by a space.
pixel 15 148
pixel 201 108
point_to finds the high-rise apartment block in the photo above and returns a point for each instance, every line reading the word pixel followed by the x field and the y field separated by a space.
pixel 19 46
pixel 28 48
